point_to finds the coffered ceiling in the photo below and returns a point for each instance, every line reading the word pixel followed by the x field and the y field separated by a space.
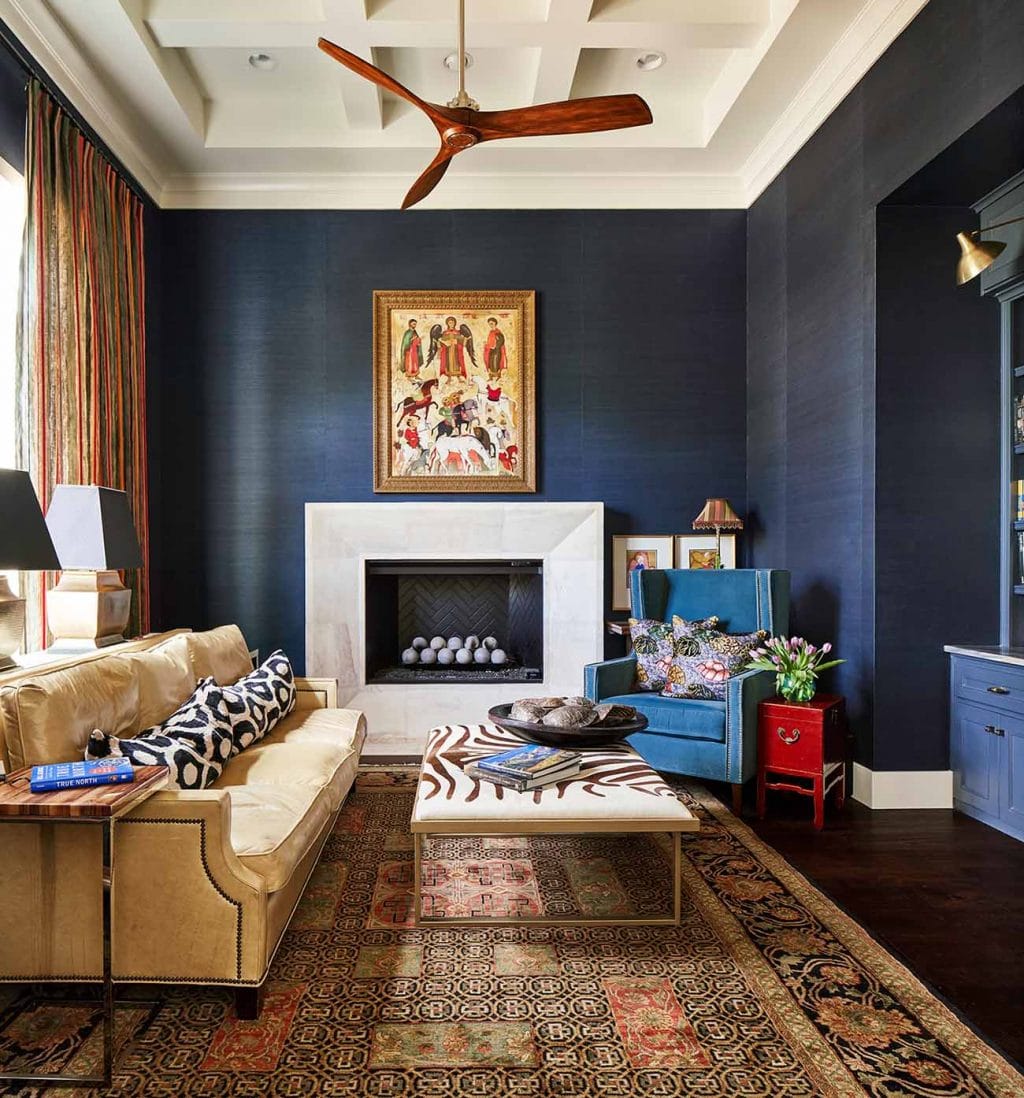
pixel 172 86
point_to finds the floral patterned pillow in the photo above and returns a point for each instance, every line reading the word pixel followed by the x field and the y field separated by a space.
pixel 654 643
pixel 703 664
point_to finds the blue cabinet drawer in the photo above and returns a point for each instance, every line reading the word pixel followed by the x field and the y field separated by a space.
pixel 975 754
pixel 988 683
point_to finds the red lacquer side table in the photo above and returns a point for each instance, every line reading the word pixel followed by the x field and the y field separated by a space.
pixel 804 742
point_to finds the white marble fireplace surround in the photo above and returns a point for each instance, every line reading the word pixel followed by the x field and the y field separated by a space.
pixel 341 537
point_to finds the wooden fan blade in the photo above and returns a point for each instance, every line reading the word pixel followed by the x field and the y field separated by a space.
pixel 371 72
pixel 600 112
pixel 430 178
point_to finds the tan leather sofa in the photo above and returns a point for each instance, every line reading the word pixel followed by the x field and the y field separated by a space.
pixel 205 882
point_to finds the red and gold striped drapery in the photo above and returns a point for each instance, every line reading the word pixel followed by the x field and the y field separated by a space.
pixel 81 396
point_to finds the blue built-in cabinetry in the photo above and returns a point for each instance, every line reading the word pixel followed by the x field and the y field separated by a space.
pixel 987 735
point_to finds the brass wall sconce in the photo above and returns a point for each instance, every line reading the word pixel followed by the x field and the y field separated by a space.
pixel 975 254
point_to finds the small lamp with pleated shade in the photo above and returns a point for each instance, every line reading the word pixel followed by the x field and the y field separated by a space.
pixel 718 515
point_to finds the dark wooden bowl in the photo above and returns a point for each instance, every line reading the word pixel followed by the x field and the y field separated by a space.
pixel 569 738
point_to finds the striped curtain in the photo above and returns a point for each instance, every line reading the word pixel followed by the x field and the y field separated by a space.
pixel 81 399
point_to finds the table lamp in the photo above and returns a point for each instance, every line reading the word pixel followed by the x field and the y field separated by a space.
pixel 94 535
pixel 718 515
pixel 25 545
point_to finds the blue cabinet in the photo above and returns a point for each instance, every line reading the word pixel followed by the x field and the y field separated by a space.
pixel 987 741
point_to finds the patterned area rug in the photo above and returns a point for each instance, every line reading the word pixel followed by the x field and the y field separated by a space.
pixel 766 989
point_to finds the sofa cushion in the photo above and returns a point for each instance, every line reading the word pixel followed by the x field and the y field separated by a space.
pixel 273 826
pixel 684 717
pixel 48 718
pixel 311 748
pixel 194 742
pixel 220 653
pixel 165 679
pixel 285 788
pixel 258 701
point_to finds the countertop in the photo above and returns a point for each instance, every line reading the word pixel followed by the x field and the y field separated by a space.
pixel 993 652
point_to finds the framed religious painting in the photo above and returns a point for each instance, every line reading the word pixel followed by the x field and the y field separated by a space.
pixel 632 553
pixel 454 391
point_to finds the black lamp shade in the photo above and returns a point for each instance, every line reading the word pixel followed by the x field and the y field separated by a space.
pixel 92 528
pixel 24 540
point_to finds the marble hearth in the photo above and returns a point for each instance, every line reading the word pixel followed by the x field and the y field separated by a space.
pixel 341 537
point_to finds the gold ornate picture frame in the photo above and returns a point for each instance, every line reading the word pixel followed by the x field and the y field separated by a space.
pixel 454 391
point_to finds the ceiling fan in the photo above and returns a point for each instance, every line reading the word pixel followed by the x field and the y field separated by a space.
pixel 461 124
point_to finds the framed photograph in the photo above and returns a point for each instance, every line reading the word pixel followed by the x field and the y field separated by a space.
pixel 700 551
pixel 454 391
pixel 632 552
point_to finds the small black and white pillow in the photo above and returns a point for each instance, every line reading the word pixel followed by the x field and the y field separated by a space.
pixel 259 700
pixel 194 742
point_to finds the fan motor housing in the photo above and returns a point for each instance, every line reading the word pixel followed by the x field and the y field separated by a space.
pixel 460 137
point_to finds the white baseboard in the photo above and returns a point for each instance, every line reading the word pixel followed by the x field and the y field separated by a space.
pixel 902 788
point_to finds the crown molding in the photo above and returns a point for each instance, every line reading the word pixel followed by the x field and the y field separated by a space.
pixel 864 41
pixel 463 191
pixel 46 40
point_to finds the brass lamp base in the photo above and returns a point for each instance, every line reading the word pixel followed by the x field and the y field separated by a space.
pixel 88 610
pixel 12 624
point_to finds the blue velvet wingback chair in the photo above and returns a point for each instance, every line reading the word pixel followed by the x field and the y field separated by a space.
pixel 703 739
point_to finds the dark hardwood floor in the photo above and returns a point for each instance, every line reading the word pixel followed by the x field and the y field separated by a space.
pixel 941 891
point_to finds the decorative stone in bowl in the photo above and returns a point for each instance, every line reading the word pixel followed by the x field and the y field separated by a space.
pixel 567 722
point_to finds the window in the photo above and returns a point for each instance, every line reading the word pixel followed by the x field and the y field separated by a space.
pixel 12 220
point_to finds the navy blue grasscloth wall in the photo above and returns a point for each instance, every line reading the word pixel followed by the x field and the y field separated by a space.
pixel 262 395
pixel 811 338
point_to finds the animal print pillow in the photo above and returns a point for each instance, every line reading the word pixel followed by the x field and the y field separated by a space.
pixel 194 742
pixel 704 663
pixel 259 700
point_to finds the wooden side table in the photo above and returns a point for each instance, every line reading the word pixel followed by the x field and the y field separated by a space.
pixel 805 741
pixel 100 806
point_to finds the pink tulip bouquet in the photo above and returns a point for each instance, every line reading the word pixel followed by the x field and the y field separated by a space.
pixel 796 664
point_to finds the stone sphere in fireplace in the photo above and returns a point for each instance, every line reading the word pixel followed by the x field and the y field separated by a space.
pixel 498 657
pixel 464 655
pixel 472 643
pixel 455 643
pixel 481 655
pixel 428 655
pixel 419 643
pixel 445 655
pixel 490 643
pixel 411 655
pixel 437 643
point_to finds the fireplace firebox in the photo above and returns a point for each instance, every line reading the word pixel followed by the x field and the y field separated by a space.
pixel 501 601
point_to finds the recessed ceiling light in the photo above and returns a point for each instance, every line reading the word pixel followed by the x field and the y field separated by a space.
pixel 451 61
pixel 262 61
pixel 648 62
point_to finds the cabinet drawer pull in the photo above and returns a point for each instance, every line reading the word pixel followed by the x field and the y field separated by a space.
pixel 999 690
pixel 991 728
pixel 789 739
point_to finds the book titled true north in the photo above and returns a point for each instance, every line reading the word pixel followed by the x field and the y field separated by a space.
pixel 527 762
pixel 78 775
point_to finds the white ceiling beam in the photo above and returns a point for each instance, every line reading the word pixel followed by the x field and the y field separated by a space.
pixel 362 99
pixel 175 73
pixel 560 55
pixel 230 34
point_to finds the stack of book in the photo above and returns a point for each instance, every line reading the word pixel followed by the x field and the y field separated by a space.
pixel 526 768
